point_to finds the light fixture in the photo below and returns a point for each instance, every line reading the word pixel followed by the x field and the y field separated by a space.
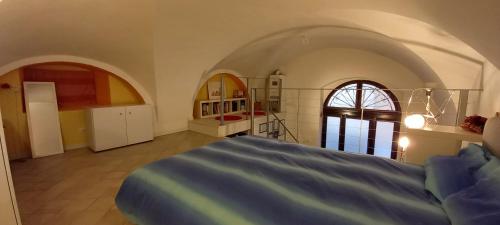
pixel 404 142
pixel 415 121
pixel 433 110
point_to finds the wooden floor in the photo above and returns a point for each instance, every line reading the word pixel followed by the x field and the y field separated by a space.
pixel 79 187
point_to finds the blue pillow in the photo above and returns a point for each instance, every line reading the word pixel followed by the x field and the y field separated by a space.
pixel 487 153
pixel 487 168
pixel 471 149
pixel 446 175
pixel 479 204
pixel 474 155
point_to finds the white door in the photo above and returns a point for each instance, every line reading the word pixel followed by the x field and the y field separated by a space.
pixel 139 124
pixel 9 215
pixel 43 119
pixel 110 127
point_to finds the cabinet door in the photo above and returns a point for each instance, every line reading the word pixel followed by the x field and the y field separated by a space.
pixel 139 124
pixel 110 128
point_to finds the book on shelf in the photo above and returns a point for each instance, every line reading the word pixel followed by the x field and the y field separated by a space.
pixel 204 109
pixel 216 108
pixel 243 105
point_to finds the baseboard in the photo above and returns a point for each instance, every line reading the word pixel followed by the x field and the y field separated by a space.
pixel 74 147
pixel 167 132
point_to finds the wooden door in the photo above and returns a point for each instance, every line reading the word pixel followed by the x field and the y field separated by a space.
pixel 139 124
pixel 14 124
pixel 9 214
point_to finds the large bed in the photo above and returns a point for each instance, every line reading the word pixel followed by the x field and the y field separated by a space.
pixel 252 180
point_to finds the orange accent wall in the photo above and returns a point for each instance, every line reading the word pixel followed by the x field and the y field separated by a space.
pixel 103 95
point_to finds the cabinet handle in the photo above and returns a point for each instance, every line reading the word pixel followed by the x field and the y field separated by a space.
pixel 121 114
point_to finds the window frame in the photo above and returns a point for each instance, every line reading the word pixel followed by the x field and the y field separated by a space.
pixel 370 115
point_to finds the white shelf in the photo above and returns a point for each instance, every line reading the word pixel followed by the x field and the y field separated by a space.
pixel 210 108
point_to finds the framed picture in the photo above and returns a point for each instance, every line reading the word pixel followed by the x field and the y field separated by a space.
pixel 214 90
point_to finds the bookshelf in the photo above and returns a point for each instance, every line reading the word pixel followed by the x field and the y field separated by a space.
pixel 210 108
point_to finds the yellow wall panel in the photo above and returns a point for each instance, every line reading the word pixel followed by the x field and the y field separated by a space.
pixel 230 81
pixel 14 119
pixel 122 93
pixel 73 128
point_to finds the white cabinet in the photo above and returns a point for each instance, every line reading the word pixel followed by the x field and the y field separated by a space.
pixel 112 127
pixel 436 140
pixel 139 124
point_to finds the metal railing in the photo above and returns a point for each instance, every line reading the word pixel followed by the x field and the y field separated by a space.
pixel 302 116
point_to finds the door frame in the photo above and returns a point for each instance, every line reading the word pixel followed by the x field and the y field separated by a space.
pixel 368 114
pixel 5 164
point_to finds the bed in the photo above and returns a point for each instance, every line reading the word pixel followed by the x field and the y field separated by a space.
pixel 252 180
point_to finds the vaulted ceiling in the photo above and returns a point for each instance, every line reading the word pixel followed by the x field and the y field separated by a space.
pixel 167 45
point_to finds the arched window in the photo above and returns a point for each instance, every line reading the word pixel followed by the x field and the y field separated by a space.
pixel 362 116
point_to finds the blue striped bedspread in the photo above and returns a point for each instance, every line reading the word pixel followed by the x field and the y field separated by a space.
pixel 255 181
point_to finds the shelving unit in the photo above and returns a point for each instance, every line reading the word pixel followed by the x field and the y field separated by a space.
pixel 210 108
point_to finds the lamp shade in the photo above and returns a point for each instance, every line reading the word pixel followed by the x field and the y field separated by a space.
pixel 415 121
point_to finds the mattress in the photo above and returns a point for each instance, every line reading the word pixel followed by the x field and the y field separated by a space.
pixel 251 180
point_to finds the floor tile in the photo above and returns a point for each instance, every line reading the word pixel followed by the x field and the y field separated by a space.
pixel 79 186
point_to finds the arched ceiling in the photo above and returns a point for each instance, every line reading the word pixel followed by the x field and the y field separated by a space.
pixel 119 33
pixel 122 32
pixel 399 38
pixel 171 43
pixel 265 55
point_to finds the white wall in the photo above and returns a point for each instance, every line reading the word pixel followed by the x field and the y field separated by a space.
pixel 329 68
pixel 490 97
pixel 321 68
pixel 454 71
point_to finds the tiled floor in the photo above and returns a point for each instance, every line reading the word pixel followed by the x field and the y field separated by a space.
pixel 78 187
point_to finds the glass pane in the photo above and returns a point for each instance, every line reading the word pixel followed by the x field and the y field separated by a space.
pixel 374 98
pixel 332 133
pixel 344 97
pixel 383 139
pixel 356 136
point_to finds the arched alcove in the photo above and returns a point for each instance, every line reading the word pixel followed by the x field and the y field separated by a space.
pixel 232 83
pixel 78 86
pixel 80 60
